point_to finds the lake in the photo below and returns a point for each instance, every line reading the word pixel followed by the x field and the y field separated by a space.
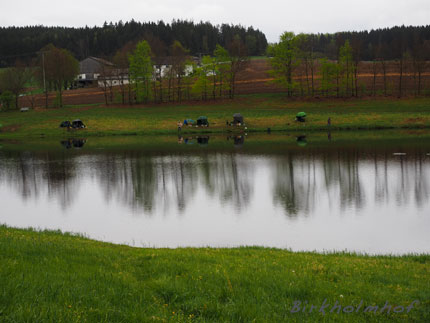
pixel 365 192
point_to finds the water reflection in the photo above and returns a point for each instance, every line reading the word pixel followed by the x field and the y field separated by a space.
pixel 203 140
pixel 190 140
pixel 294 183
pixel 73 142
pixel 347 178
pixel 301 141
pixel 298 183
pixel 238 140
pixel 31 175
pixel 299 180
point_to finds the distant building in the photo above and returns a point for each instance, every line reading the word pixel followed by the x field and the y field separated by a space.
pixel 94 70
pixel 113 77
pixel 162 67
pixel 91 68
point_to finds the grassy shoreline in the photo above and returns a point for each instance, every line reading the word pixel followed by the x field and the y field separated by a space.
pixel 253 143
pixel 262 111
pixel 51 276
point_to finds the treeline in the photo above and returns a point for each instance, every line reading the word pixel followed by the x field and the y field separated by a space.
pixel 54 69
pixel 160 70
pixel 302 70
pixel 141 73
pixel 199 38
pixel 390 42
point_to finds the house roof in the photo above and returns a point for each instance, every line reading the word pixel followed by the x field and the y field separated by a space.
pixel 101 61
pixel 91 65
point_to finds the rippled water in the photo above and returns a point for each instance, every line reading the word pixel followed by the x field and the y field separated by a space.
pixel 364 198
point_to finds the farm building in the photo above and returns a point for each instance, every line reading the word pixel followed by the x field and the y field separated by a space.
pixel 90 70
pixel 163 65
pixel 104 73
pixel 113 77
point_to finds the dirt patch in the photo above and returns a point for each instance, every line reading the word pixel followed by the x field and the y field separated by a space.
pixel 80 109
pixel 10 128
pixel 414 120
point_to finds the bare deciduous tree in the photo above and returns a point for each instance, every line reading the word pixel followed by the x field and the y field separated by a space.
pixel 238 61
pixel 60 69
pixel 179 57
pixel 120 61
pixel 13 79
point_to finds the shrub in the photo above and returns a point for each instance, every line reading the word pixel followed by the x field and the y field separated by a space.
pixel 6 100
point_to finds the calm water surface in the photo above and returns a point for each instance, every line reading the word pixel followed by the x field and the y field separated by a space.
pixel 363 197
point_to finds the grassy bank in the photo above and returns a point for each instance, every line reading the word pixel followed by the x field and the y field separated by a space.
pixel 253 143
pixel 261 111
pixel 58 277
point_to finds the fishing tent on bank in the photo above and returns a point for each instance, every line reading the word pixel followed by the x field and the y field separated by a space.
pixel 237 118
pixel 75 124
pixel 202 121
pixel 301 116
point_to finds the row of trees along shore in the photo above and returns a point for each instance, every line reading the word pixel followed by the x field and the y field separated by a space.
pixel 55 69
pixel 213 76
pixel 138 71
pixel 302 71
pixel 296 65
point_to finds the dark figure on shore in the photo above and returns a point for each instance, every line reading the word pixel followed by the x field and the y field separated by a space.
pixel 329 121
pixel 179 125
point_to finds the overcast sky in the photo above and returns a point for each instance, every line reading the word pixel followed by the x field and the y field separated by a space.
pixel 270 16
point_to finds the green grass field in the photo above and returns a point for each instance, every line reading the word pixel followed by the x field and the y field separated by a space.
pixel 261 111
pixel 49 276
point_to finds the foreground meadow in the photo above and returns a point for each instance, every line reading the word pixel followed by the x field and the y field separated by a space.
pixel 260 112
pixel 50 276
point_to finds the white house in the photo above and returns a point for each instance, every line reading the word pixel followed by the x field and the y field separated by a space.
pixel 104 72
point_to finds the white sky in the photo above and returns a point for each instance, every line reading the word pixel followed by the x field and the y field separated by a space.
pixel 270 16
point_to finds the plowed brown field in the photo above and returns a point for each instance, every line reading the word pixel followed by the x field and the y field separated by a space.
pixel 256 79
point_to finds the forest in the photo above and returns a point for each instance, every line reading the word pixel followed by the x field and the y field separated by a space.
pixel 199 38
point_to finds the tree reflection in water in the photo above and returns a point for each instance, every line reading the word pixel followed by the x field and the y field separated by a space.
pixel 34 175
pixel 345 177
pixel 300 179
